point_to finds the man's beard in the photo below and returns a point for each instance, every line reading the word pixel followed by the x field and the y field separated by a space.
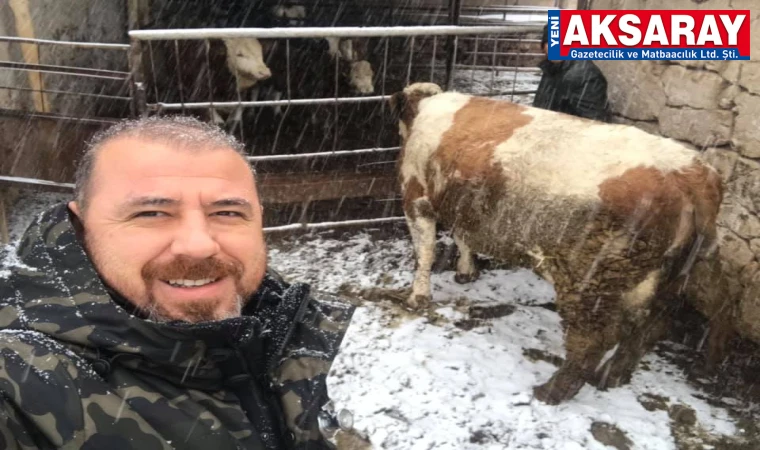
pixel 193 312
pixel 183 267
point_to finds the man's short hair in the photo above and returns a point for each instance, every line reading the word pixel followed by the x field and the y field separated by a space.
pixel 178 131
pixel 545 36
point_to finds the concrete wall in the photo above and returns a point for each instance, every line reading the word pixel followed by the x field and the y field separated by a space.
pixel 74 20
pixel 713 106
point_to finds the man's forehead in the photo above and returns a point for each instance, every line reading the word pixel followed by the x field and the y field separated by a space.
pixel 140 167
pixel 149 156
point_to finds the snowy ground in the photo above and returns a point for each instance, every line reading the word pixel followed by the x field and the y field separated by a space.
pixel 420 382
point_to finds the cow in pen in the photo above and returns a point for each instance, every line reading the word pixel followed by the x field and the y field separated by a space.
pixel 612 216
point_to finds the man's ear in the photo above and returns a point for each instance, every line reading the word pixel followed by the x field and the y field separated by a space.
pixel 75 217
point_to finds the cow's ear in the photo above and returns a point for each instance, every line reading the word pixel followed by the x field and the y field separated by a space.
pixel 397 104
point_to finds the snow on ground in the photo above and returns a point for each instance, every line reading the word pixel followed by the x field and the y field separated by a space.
pixel 418 385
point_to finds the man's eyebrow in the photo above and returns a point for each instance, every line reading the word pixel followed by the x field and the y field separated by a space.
pixel 232 201
pixel 137 202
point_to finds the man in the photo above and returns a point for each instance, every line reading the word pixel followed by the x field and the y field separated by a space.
pixel 142 315
pixel 572 87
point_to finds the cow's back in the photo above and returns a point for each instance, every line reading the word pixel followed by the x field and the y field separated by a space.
pixel 506 173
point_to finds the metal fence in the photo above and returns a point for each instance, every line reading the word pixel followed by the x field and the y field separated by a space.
pixel 50 79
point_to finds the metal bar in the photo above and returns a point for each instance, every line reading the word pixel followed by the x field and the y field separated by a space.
pixel 451 43
pixel 57 72
pixel 37 183
pixel 289 157
pixel 514 82
pixel 179 77
pixel 512 53
pixel 64 43
pixel 537 41
pixel 81 94
pixel 210 83
pixel 505 93
pixel 153 69
pixel 385 70
pixel 323 225
pixel 318 32
pixel 500 68
pixel 254 104
pixel 432 62
pixel 411 58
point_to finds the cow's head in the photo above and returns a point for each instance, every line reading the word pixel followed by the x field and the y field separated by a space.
pixel 404 105
pixel 352 57
pixel 245 59
pixel 292 14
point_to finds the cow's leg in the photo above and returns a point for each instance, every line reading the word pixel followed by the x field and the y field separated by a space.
pixel 587 328
pixel 466 270
pixel 636 341
pixel 422 228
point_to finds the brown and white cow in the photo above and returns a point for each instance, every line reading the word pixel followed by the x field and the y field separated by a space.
pixel 611 215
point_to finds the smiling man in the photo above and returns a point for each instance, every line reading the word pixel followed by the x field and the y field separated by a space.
pixel 143 315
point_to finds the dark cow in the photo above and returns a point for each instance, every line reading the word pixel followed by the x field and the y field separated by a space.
pixel 611 215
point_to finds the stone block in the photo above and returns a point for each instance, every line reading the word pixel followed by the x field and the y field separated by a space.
pixel 722 160
pixel 745 184
pixel 750 76
pixel 695 88
pixel 747 126
pixel 739 220
pixel 730 70
pixel 701 127
pixel 634 88
pixel 736 252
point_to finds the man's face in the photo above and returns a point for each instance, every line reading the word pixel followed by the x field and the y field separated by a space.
pixel 177 232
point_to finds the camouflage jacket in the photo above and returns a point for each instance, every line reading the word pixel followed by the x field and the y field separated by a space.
pixel 77 371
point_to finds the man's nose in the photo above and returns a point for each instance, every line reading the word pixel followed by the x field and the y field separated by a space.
pixel 194 239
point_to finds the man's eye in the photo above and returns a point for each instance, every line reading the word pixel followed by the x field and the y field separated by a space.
pixel 150 214
pixel 229 214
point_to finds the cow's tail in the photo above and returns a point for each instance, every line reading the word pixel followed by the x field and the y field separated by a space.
pixel 700 242
pixel 405 104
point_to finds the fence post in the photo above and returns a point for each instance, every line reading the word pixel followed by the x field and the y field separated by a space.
pixel 451 42
pixel 137 79
pixel 139 108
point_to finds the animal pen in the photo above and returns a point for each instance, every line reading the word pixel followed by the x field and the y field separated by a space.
pixel 323 161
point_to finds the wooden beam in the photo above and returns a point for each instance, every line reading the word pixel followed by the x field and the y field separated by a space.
pixel 30 52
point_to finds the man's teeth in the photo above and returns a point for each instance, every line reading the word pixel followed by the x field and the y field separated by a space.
pixel 191 283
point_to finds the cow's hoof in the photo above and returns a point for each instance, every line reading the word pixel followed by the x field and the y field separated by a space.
pixel 463 278
pixel 556 390
pixel 418 301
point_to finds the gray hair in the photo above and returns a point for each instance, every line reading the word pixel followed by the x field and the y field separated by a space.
pixel 177 131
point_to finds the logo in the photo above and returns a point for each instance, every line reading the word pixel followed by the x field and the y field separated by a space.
pixel 649 35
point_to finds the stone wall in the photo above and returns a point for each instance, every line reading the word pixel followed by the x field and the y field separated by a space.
pixel 713 106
